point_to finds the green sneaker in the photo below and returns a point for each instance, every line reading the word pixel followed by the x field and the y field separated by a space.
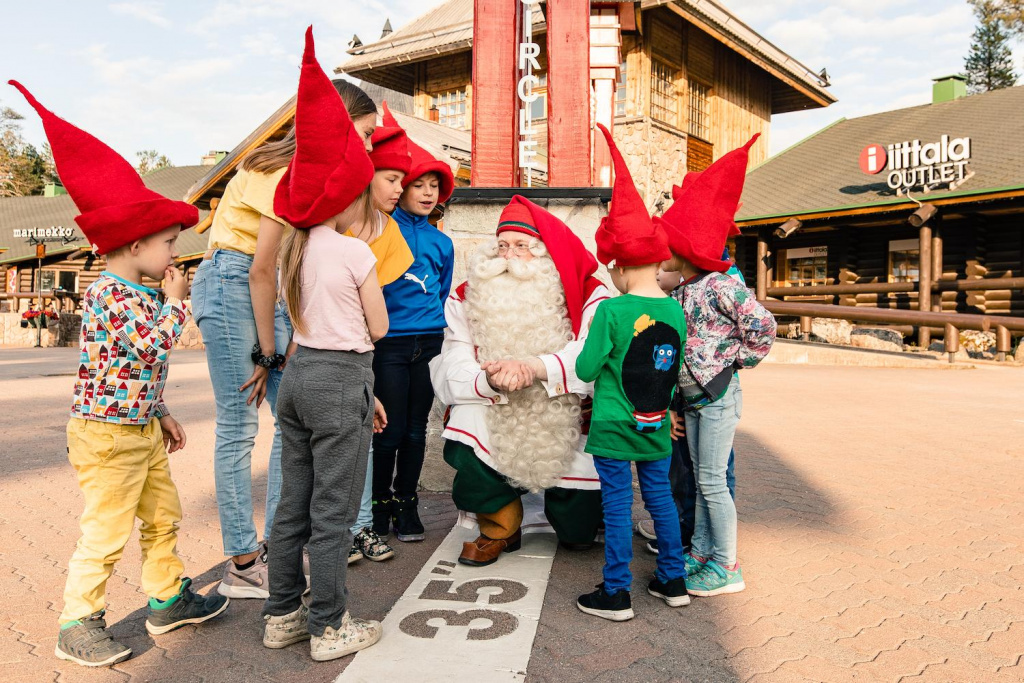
pixel 693 565
pixel 714 579
pixel 186 607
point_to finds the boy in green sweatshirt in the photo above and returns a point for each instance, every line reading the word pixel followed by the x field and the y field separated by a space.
pixel 632 354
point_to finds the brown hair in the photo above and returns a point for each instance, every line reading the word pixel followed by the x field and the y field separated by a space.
pixel 276 155
pixel 293 251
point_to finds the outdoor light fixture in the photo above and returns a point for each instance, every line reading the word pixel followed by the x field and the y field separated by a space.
pixel 788 228
pixel 924 213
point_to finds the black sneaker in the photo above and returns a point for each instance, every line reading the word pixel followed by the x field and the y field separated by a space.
pixel 382 517
pixel 672 592
pixel 187 608
pixel 614 607
pixel 406 520
pixel 87 642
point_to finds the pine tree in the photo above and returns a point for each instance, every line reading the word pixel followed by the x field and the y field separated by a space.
pixel 989 64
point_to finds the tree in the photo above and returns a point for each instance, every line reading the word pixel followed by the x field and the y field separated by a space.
pixel 1010 13
pixel 24 170
pixel 150 160
pixel 989 64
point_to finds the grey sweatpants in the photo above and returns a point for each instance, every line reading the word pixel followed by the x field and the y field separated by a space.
pixel 325 409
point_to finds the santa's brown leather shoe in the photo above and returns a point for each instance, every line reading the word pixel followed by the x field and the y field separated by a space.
pixel 484 551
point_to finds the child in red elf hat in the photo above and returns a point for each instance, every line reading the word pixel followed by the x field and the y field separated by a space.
pixel 325 403
pixel 632 355
pixel 415 304
pixel 729 330
pixel 120 431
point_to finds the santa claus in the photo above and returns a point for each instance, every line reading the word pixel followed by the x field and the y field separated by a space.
pixel 518 414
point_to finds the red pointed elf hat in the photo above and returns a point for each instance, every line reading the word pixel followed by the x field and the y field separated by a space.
pixel 677 192
pixel 390 148
pixel 330 167
pixel 575 264
pixel 117 207
pixel 424 162
pixel 702 217
pixel 626 236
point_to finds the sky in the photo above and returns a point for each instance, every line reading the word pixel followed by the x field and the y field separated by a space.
pixel 185 77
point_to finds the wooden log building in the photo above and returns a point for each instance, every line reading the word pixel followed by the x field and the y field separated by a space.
pixel 69 267
pixel 930 196
pixel 690 81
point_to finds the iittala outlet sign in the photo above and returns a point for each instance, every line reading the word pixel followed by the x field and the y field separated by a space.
pixel 913 164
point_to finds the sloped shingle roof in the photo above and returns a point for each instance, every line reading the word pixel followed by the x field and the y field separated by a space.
pixel 822 173
pixel 17 213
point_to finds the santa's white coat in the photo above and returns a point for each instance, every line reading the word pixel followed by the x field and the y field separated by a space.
pixel 460 384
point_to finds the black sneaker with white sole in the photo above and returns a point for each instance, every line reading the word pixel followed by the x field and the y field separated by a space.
pixel 187 608
pixel 672 592
pixel 614 606
pixel 87 642
pixel 405 519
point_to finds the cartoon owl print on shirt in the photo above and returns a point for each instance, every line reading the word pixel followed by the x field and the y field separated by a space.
pixel 650 370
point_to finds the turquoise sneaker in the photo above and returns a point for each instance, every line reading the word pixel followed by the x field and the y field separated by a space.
pixel 714 579
pixel 693 565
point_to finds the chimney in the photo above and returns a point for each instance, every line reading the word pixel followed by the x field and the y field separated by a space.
pixel 387 29
pixel 54 190
pixel 355 42
pixel 948 88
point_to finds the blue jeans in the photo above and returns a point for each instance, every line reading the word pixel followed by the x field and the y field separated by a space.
pixel 684 486
pixel 709 435
pixel 222 308
pixel 365 517
pixel 617 498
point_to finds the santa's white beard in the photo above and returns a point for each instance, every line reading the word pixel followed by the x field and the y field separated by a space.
pixel 516 309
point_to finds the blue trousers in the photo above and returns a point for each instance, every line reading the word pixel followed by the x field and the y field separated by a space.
pixel 222 308
pixel 617 499
pixel 684 486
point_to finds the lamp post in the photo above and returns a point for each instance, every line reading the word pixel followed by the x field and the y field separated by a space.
pixel 40 255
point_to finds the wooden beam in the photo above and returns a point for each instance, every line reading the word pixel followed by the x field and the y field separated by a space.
pixel 494 93
pixel 569 93
pixel 867 210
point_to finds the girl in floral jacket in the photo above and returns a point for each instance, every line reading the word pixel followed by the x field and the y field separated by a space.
pixel 727 330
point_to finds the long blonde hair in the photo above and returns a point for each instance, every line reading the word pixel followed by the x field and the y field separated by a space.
pixel 293 253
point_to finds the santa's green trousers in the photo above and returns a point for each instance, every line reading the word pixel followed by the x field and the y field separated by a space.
pixel 575 514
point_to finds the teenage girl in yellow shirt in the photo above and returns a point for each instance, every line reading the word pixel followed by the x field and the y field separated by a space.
pixel 246 333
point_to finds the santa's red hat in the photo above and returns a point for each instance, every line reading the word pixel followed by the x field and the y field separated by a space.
pixel 626 236
pixel 423 162
pixel 117 207
pixel 702 217
pixel 390 149
pixel 575 264
pixel 330 167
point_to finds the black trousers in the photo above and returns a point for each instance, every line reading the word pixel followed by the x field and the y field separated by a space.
pixel 402 383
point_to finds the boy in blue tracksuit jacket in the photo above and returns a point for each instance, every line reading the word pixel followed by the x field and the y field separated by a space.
pixel 415 305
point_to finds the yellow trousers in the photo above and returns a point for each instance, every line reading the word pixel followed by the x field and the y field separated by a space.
pixel 504 522
pixel 123 473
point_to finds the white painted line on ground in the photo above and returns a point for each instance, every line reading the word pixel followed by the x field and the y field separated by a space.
pixel 458 623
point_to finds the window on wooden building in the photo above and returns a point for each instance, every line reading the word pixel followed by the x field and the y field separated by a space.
pixel 451 108
pixel 64 279
pixel 806 266
pixel 620 91
pixel 664 98
pixel 539 107
pixel 904 260
pixel 699 110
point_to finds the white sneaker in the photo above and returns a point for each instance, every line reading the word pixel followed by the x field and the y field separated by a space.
pixel 287 629
pixel 354 635
pixel 246 583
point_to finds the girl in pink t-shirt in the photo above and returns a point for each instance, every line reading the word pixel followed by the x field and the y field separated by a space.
pixel 326 407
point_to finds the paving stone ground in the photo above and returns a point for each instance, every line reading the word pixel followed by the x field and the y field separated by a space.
pixel 881 528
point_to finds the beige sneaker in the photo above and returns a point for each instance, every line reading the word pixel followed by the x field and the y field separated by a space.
pixel 354 635
pixel 287 629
